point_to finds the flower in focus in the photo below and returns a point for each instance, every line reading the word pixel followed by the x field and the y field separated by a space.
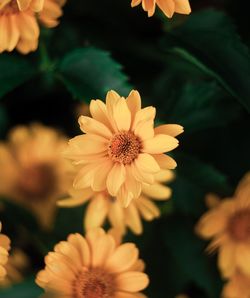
pixel 15 267
pixel 33 173
pixel 103 206
pixel 228 224
pixel 169 7
pixel 4 248
pixel 94 266
pixel 237 287
pixel 121 150
pixel 19 22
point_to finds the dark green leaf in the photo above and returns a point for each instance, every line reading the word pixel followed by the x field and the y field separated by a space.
pixel 209 41
pixel 89 73
pixel 14 72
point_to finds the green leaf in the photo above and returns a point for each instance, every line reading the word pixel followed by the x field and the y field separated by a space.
pixel 27 289
pixel 187 251
pixel 14 72
pixel 209 41
pixel 195 179
pixel 201 106
pixel 89 73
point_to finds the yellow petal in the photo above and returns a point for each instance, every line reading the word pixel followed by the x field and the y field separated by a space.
pixel 157 191
pixel 116 178
pixel 28 27
pixel 133 219
pixel 92 126
pixel 243 258
pixel 147 208
pixel 116 216
pixel 134 104
pixel 143 115
pixel 169 129
pixel 23 4
pixel 37 5
pixel 122 115
pixel 142 176
pixel 165 162
pixel 168 7
pixel 123 258
pixel 82 246
pixel 145 130
pixel 226 259
pixel 160 144
pixel 85 176
pixel 147 163
pixel 100 176
pixel 182 6
pixel 135 2
pixel 96 212
pixel 149 6
pixel 164 176
pixel 99 112
pixel 132 281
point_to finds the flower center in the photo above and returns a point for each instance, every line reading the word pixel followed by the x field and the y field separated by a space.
pixel 124 147
pixel 36 182
pixel 239 225
pixel 94 283
pixel 8 7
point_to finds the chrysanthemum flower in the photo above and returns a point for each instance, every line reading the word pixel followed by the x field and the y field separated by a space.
pixel 19 23
pixel 103 206
pixel 228 224
pixel 237 287
pixel 169 7
pixel 33 173
pixel 4 248
pixel 120 149
pixel 93 267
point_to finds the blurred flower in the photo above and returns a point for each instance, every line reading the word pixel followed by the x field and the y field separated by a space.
pixel 4 248
pixel 237 287
pixel 94 266
pixel 19 28
pixel 120 149
pixel 15 267
pixel 228 223
pixel 33 173
pixel 169 7
pixel 103 206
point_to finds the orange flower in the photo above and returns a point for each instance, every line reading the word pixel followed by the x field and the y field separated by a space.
pixel 169 7
pixel 103 206
pixel 237 287
pixel 33 173
pixel 120 150
pixel 4 248
pixel 228 224
pixel 19 23
pixel 95 266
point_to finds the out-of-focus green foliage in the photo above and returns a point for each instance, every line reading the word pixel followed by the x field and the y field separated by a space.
pixel 196 71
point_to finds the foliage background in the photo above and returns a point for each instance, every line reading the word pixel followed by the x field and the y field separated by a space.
pixel 196 71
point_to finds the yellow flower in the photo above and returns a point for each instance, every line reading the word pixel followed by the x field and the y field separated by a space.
pixel 33 173
pixel 93 267
pixel 103 206
pixel 20 29
pixel 228 224
pixel 4 248
pixel 169 7
pixel 237 287
pixel 120 149
pixel 17 263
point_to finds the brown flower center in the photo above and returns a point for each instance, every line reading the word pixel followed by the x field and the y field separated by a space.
pixel 94 283
pixel 36 182
pixel 8 8
pixel 124 147
pixel 239 225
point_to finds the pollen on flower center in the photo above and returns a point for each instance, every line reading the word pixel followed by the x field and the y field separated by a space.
pixel 239 225
pixel 94 283
pixel 36 182
pixel 124 147
pixel 10 8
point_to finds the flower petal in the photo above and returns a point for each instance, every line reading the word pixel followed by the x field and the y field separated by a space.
pixel 165 162
pixel 169 129
pixel 92 126
pixel 168 7
pixel 146 162
pixel 116 178
pixel 160 144
pixel 132 281
pixel 133 219
pixel 182 6
pixel 157 191
pixel 122 115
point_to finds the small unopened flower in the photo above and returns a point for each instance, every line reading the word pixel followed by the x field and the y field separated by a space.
pixel 4 248
pixel 121 150
pixel 93 267
pixel 228 225
pixel 169 7
pixel 102 206
pixel 33 173
pixel 19 22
